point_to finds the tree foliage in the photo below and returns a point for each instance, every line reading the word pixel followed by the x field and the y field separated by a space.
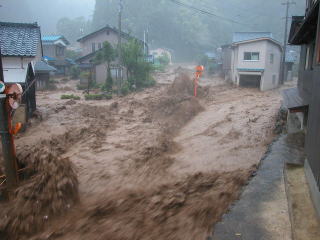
pixel 138 70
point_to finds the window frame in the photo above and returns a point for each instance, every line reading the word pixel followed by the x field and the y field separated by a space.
pixel 93 47
pixel 251 56
pixel 59 51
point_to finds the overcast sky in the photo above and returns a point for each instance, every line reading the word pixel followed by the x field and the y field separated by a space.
pixel 45 12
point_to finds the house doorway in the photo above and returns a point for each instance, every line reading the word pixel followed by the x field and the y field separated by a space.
pixel 251 81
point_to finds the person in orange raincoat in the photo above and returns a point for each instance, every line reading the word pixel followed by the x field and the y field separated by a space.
pixel 199 72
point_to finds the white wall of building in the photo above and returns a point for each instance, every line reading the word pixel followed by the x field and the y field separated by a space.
pixel 272 70
pixel 270 75
pixel 234 65
pixel 259 46
pixel 16 62
pixel 15 69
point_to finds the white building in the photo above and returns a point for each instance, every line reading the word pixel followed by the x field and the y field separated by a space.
pixel 255 60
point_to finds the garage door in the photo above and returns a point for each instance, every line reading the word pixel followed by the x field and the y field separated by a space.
pixel 250 81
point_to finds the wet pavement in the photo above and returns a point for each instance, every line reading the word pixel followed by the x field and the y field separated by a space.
pixel 262 211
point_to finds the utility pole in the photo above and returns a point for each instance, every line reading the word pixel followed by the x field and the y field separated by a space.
pixel 144 42
pixel 285 43
pixel 8 148
pixel 119 46
pixel 147 41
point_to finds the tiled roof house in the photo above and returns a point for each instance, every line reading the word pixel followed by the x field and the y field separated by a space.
pixel 54 51
pixel 20 49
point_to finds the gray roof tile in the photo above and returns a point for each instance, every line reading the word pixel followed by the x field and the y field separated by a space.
pixel 19 39
pixel 42 66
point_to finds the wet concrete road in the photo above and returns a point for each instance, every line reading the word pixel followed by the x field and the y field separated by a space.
pixel 262 211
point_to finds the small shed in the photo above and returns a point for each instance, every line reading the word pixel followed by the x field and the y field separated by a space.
pixel 43 72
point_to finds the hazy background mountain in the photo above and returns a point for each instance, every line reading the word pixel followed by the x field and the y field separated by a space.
pixel 45 12
pixel 186 31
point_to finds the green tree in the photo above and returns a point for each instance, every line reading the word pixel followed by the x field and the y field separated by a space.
pixel 164 59
pixel 131 52
pixel 138 70
pixel 106 55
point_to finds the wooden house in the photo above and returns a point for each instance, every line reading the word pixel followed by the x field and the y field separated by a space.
pixel 54 51
pixel 21 48
pixel 303 102
pixel 92 43
pixel 43 73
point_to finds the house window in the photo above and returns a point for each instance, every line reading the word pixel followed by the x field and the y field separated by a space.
pixel 59 51
pixel 251 56
pixel 99 45
pixel 93 47
pixel 271 58
pixel 108 32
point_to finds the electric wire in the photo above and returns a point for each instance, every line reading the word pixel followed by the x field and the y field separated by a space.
pixel 207 12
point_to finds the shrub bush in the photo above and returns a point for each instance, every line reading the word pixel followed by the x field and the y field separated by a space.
pixel 97 96
pixel 81 87
pixel 71 96
pixel 125 89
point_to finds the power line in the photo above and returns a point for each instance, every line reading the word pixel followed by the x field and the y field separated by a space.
pixel 207 13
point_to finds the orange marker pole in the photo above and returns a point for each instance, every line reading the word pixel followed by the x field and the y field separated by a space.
pixel 196 85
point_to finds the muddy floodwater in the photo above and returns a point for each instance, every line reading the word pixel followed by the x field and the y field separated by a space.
pixel 156 164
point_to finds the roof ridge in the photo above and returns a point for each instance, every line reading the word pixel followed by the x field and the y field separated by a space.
pixel 258 39
pixel 254 32
pixel 16 24
pixel 123 33
pixel 53 35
